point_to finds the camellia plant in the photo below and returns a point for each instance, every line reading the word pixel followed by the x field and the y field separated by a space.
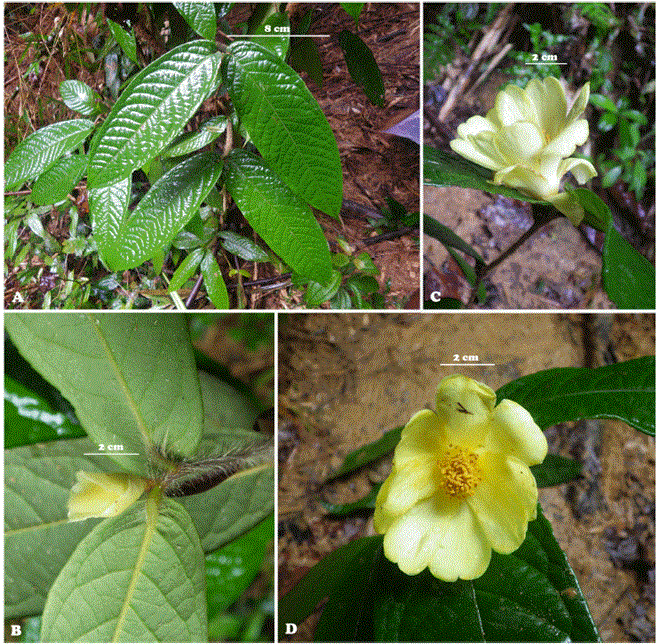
pixel 111 526
pixel 278 158
pixel 522 149
pixel 464 552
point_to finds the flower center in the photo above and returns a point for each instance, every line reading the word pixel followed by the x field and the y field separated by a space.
pixel 459 472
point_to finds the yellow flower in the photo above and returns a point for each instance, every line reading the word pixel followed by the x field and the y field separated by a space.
pixel 103 495
pixel 528 139
pixel 460 484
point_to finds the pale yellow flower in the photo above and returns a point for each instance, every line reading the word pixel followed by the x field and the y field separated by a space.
pixel 460 485
pixel 527 139
pixel 103 495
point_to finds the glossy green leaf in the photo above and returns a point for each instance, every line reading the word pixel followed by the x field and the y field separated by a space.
pixel 348 615
pixel 152 110
pixel 79 97
pixel 367 502
pixel 38 537
pixel 131 378
pixel 448 169
pixel 193 141
pixel 186 269
pixel 162 213
pixel 42 148
pixel 242 247
pixel 284 222
pixel 564 580
pixel 555 470
pixel 59 180
pixel 231 569
pixel 603 102
pixel 448 237
pixel 362 66
pixel 274 34
pixel 623 391
pixel 530 595
pixel 628 277
pixel 317 293
pixel 286 124
pixel 108 208
pixel 158 589
pixel 368 453
pixel 125 40
pixel 30 419
pixel 320 581
pixel 216 288
pixel 597 214
pixel 200 16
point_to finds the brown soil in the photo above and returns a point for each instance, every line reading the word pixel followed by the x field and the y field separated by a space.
pixel 345 379
pixel 376 165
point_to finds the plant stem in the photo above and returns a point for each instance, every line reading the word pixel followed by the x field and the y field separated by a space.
pixel 542 215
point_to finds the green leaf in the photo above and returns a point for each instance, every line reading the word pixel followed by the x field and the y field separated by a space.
pixel 603 102
pixel 367 502
pixel 448 237
pixel 158 589
pixel 108 208
pixel 276 29
pixel 79 97
pixel 185 270
pixel 530 595
pixel 189 142
pixel 316 293
pixel 42 148
pixel 628 277
pixel 161 214
pixel 362 67
pixel 597 214
pixel 368 453
pixel 348 615
pixel 131 378
pixel 152 110
pixel 623 391
pixel 353 9
pixel 286 124
pixel 125 40
pixel 38 537
pixel 319 582
pixel 283 221
pixel 242 247
pixel 30 419
pixel 246 499
pixel 231 569
pixel 59 180
pixel 555 470
pixel 305 57
pixel 564 580
pixel 200 16
pixel 448 169
pixel 216 290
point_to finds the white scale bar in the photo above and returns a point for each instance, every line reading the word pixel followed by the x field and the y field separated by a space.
pixel 108 453
pixel 467 364
pixel 547 62
pixel 284 34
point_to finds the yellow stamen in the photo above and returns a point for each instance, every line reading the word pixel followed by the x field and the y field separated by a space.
pixel 460 473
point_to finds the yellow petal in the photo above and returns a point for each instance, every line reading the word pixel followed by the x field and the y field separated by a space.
pixel 103 495
pixel 569 206
pixel 514 432
pixel 505 502
pixel 463 405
